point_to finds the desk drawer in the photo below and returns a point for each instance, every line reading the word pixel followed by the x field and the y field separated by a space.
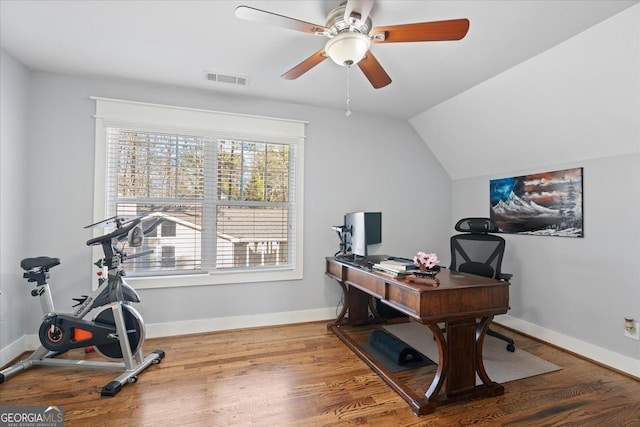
pixel 405 298
pixel 368 282
pixel 334 269
pixel 439 304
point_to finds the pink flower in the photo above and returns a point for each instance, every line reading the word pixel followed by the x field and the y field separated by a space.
pixel 428 260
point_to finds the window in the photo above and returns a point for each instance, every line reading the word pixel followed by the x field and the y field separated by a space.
pixel 168 256
pixel 168 229
pixel 220 194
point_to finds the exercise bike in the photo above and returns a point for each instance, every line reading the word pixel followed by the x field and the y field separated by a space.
pixel 117 329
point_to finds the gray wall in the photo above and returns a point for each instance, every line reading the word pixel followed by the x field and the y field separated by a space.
pixel 578 105
pixel 573 292
pixel 14 192
pixel 360 162
pixel 581 288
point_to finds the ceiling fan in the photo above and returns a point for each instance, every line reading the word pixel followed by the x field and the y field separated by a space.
pixel 350 34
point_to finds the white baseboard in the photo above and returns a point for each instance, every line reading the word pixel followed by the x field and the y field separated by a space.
pixel 13 350
pixel 601 355
pixel 606 357
pixel 155 330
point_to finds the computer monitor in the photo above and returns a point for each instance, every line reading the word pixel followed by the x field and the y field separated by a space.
pixel 364 228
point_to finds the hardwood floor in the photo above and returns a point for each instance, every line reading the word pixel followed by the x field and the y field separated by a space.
pixel 302 375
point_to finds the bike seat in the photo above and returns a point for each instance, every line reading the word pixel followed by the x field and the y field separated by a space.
pixel 39 262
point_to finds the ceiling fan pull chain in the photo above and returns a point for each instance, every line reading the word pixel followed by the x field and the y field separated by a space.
pixel 348 113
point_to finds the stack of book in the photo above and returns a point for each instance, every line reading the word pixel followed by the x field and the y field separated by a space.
pixel 395 268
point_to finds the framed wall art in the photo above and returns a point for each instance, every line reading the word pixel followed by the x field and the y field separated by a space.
pixel 544 204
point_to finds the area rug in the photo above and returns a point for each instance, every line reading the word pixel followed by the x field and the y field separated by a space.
pixel 501 365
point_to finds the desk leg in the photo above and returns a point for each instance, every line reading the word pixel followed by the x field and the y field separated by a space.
pixel 358 304
pixel 345 305
pixel 462 356
pixel 456 368
pixel 481 332
pixel 443 363
pixel 459 360
pixel 374 310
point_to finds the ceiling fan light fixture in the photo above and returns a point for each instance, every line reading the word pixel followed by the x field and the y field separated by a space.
pixel 347 48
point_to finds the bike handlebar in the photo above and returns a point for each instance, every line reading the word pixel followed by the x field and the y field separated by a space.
pixel 139 254
pixel 118 232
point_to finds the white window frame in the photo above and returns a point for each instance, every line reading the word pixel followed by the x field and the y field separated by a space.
pixel 165 118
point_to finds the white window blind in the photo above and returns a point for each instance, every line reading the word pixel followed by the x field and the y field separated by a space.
pixel 216 197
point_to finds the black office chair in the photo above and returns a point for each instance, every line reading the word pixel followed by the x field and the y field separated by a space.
pixel 476 251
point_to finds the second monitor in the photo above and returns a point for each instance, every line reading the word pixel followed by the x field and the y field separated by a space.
pixel 365 228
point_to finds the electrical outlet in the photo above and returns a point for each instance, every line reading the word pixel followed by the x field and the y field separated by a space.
pixel 634 334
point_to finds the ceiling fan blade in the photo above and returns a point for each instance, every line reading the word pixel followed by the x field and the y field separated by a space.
pixel 454 29
pixel 362 9
pixel 305 65
pixel 373 71
pixel 263 17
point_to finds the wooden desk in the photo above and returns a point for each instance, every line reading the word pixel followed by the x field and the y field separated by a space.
pixel 465 303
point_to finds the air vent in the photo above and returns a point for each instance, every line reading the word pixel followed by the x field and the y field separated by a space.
pixel 226 78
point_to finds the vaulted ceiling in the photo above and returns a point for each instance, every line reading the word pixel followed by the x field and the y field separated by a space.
pixel 179 42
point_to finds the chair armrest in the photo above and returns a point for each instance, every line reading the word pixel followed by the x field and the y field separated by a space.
pixel 505 276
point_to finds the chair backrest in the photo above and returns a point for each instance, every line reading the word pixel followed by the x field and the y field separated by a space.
pixel 475 250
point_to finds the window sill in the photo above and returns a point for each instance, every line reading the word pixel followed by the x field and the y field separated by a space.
pixel 216 278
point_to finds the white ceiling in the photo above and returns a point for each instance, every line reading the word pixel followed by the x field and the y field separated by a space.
pixel 175 42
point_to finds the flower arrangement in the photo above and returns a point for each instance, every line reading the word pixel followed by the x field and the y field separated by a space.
pixel 423 259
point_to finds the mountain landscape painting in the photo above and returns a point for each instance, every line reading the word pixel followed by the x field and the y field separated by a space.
pixel 544 204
